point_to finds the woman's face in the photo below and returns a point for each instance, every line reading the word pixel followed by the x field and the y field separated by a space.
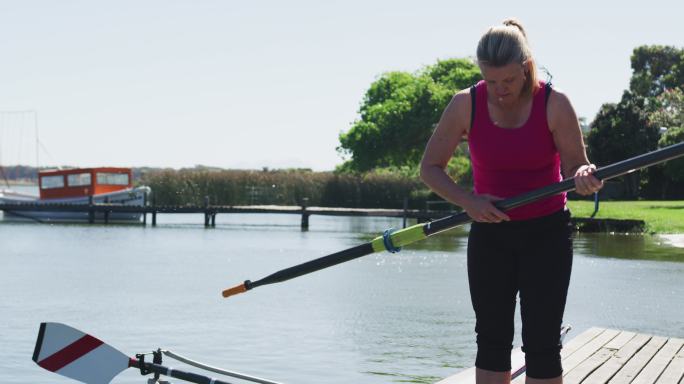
pixel 504 83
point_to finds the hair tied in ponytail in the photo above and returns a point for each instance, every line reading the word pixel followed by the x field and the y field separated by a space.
pixel 515 23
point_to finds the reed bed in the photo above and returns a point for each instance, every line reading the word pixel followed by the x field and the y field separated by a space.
pixel 285 187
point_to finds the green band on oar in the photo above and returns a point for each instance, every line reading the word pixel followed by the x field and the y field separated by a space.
pixel 392 241
pixel 400 238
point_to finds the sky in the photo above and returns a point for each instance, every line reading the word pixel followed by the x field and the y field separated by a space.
pixel 254 84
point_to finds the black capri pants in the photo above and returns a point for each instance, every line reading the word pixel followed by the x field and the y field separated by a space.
pixel 532 258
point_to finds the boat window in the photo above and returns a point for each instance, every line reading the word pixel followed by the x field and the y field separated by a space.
pixel 78 179
pixel 104 178
pixel 50 182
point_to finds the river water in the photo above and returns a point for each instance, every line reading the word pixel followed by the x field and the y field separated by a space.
pixel 382 318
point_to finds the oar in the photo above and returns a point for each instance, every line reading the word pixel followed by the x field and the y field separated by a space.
pixel 393 241
pixel 79 356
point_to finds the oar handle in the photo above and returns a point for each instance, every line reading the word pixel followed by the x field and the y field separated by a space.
pixel 238 289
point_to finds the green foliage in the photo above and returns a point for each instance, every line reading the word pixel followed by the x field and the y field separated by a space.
pixel 371 190
pixel 632 126
pixel 454 74
pixel 655 69
pixel 233 187
pixel 670 115
pixel 378 189
pixel 398 114
pixel 668 109
pixel 460 169
pixel 673 169
pixel 620 131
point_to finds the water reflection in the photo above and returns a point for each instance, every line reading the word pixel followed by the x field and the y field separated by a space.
pixel 403 317
pixel 628 246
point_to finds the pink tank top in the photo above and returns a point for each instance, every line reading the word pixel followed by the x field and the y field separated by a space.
pixel 509 162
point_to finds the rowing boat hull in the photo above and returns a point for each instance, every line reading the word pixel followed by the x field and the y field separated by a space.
pixel 131 197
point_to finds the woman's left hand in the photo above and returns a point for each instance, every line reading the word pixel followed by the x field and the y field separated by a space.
pixel 585 182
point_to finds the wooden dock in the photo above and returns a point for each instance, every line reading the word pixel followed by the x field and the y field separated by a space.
pixel 600 355
pixel 99 212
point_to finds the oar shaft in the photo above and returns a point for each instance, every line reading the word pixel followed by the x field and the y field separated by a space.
pixel 218 370
pixel 177 374
pixel 315 265
pixel 303 269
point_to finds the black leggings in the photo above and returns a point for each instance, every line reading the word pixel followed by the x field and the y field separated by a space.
pixel 532 258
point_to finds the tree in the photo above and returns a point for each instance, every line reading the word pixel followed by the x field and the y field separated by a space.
pixel 656 68
pixel 668 109
pixel 620 131
pixel 632 126
pixel 399 112
pixel 669 114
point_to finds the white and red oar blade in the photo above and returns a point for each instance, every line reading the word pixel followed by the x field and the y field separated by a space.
pixel 76 355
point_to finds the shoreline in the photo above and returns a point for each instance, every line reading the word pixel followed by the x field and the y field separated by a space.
pixel 673 239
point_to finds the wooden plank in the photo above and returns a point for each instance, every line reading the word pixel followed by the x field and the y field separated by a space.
pixel 618 360
pixel 609 356
pixel 468 375
pixel 623 338
pixel 571 346
pixel 576 343
pixel 660 361
pixel 637 363
pixel 585 368
pixel 464 377
pixel 596 360
pixel 674 373
pixel 584 352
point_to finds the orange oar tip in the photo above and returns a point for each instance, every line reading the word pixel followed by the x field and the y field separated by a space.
pixel 242 287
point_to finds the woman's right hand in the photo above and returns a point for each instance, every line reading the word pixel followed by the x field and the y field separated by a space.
pixel 481 209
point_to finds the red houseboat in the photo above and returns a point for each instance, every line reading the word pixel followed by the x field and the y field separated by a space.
pixel 80 186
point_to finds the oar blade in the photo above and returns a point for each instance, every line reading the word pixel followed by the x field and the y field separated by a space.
pixel 77 355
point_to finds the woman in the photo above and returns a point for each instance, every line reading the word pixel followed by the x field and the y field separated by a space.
pixel 522 135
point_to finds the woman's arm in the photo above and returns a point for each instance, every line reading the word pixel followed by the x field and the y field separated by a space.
pixel 567 136
pixel 453 125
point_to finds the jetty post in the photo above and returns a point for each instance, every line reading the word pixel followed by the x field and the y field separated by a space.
pixel 404 217
pixel 144 221
pixel 91 210
pixel 154 211
pixel 305 214
pixel 206 211
pixel 106 212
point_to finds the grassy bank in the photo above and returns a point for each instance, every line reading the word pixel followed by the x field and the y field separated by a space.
pixel 660 216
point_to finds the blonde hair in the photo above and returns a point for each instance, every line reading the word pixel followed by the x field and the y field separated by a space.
pixel 505 44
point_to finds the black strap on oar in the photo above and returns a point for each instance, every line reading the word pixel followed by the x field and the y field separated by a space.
pixel 449 222
pixel 175 373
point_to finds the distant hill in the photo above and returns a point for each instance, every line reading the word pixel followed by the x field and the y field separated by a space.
pixel 19 173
